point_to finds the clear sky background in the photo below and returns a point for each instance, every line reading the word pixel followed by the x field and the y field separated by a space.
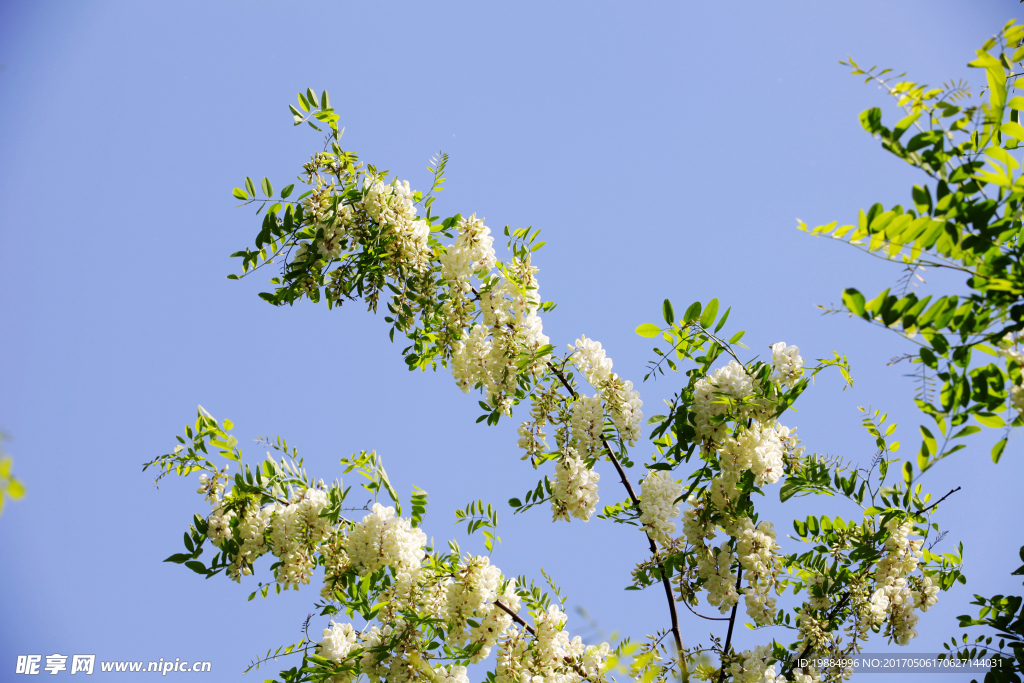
pixel 665 149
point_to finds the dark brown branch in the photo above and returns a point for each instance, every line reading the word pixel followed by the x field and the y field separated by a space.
pixel 732 622
pixel 515 617
pixel 936 503
pixel 702 616
pixel 677 636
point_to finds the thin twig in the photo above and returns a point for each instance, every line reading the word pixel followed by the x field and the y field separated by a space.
pixel 515 617
pixel 939 501
pixel 702 616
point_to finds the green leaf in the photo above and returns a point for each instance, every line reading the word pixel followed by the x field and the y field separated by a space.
pixel 1016 102
pixel 268 189
pixel 196 566
pixel 710 313
pixel 908 472
pixel 668 313
pixel 854 301
pixel 250 188
pixel 721 323
pixel 648 330
pixel 990 420
pixel 15 489
pixel 929 440
pixel 240 193
pixel 1012 128
pixel 179 558
pixel 287 191
pixel 693 312
pixel 997 450
pixel 325 101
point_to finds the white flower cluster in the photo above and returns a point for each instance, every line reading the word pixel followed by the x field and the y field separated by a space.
pixel 711 397
pixel 551 657
pixel 493 625
pixel 714 565
pixel 342 227
pixel 760 449
pixel 574 492
pixel 658 507
pixel 296 529
pixel 472 254
pixel 587 424
pixel 338 641
pixel 813 602
pixel 213 488
pixel 252 530
pixel 489 354
pixel 752 667
pixel 695 529
pixel 382 539
pixel 393 208
pixel 336 562
pixel 789 366
pixel 756 548
pixel 621 400
pixel 894 597
pixel 292 531
pixel 476 584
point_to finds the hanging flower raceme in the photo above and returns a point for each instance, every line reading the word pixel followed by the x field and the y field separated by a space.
pixel 383 540
pixel 337 642
pixel 658 507
pixel 296 529
pixel 587 424
pixel 756 548
pixel 574 493
pixel 393 208
pixel 789 366
pixel 476 584
pixel 550 655
pixel 712 396
pixel 620 399
pixel 894 598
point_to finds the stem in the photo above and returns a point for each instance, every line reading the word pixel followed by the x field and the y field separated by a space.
pixel 636 503
pixel 515 617
pixel 936 503
pixel 702 616
pixel 732 622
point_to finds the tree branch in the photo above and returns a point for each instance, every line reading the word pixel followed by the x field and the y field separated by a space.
pixel 665 582
pixel 702 616
pixel 732 622
pixel 936 503
pixel 515 617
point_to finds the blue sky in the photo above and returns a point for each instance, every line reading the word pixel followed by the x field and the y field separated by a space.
pixel 665 149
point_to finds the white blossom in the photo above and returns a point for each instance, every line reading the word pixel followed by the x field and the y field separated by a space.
pixel 382 539
pixel 574 492
pixel 789 366
pixel 658 507
pixel 587 424
pixel 338 641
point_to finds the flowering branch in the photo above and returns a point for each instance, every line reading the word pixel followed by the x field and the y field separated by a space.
pixel 665 579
